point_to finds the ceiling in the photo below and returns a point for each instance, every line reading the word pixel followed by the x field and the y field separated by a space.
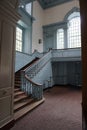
pixel 50 3
pixel 47 3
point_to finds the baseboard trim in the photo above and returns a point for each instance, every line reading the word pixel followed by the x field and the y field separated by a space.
pixel 67 85
pixel 8 125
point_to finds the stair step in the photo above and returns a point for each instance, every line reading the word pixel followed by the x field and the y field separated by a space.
pixel 17 76
pixel 22 103
pixel 27 109
pixel 18 93
pixel 17 81
pixel 21 97
pixel 16 89
pixel 17 85
pixel 18 73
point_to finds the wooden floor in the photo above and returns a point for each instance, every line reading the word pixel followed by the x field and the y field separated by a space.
pixel 20 113
pixel 60 111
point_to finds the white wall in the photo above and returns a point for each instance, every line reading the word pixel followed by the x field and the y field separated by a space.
pixel 37 32
pixel 57 13
pixel 46 17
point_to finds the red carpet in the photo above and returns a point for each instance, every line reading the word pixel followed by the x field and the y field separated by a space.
pixel 60 111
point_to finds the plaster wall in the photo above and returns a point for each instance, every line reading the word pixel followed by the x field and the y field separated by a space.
pixel 37 32
pixel 57 13
pixel 48 16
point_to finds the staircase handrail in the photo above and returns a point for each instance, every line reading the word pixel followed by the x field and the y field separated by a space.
pixel 37 62
pixel 29 86
pixel 32 82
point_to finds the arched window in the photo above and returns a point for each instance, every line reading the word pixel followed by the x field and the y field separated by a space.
pixel 74 30
pixel 69 35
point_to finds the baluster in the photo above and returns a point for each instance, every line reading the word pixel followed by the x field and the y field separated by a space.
pixel 23 85
pixel 33 91
pixel 30 88
pixel 27 86
pixel 39 92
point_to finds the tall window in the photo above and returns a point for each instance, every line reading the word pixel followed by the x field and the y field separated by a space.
pixel 19 39
pixel 60 38
pixel 74 32
pixel 28 8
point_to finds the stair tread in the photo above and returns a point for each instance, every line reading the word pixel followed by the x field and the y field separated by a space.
pixel 17 81
pixel 17 76
pixel 18 93
pixel 17 85
pixel 27 109
pixel 16 89
pixel 23 103
pixel 20 98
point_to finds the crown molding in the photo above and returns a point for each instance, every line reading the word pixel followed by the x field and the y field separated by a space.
pixel 52 3
pixel 9 9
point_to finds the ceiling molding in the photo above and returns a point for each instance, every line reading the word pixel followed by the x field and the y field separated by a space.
pixel 26 1
pixel 50 3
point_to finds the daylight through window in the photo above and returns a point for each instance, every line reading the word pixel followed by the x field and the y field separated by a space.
pixel 74 33
pixel 60 39
pixel 19 39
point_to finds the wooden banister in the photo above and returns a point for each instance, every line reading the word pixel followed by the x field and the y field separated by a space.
pixel 29 86
pixel 36 84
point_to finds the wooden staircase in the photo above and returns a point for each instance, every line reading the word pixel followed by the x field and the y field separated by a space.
pixel 22 102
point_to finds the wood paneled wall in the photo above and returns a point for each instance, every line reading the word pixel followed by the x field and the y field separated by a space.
pixel 8 19
pixel 83 10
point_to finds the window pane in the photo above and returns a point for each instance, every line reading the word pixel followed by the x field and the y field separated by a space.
pixel 74 33
pixel 19 39
pixel 60 39
pixel 28 8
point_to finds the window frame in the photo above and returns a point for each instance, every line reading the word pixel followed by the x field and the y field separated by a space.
pixel 78 36
pixel 20 27
pixel 58 36
pixel 64 26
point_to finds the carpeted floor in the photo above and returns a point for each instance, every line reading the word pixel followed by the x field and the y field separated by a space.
pixel 60 111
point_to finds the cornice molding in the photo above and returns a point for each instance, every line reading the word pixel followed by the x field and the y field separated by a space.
pixel 9 10
pixel 49 30
pixel 13 3
pixel 23 11
pixel 48 4
pixel 55 25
